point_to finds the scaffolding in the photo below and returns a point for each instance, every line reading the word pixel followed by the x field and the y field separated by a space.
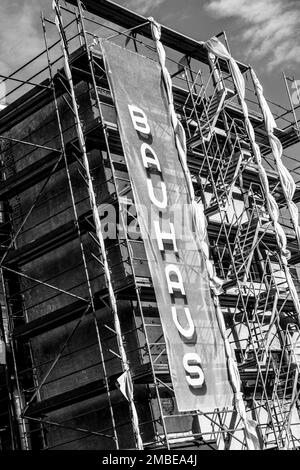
pixel 79 314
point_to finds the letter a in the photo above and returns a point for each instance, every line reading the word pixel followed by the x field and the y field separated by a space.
pixel 178 284
pixel 149 159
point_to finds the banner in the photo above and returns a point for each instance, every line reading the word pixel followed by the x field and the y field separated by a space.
pixel 194 345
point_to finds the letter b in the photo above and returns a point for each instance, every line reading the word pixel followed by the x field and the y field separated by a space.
pixel 139 119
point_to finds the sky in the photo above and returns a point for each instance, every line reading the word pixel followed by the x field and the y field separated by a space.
pixel 264 33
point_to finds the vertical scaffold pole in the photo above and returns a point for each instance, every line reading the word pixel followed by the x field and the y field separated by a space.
pixel 15 393
pixel 126 376
pixel 80 238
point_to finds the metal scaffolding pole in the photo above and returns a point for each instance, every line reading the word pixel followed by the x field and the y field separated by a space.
pixel 127 373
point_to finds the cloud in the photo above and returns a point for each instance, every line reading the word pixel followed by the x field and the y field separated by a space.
pixel 270 29
pixel 143 6
pixel 20 36
pixel 21 39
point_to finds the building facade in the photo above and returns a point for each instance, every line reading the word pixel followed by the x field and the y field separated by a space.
pixel 78 306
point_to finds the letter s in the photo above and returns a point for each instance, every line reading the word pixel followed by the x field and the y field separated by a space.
pixel 191 364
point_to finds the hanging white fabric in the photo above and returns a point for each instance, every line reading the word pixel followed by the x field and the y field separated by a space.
pixel 180 140
pixel 200 224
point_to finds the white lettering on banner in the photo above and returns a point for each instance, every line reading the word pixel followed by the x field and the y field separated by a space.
pixel 191 363
pixel 178 283
pixel 161 204
pixel 139 119
pixel 165 236
pixel 167 241
pixel 152 160
pixel 189 332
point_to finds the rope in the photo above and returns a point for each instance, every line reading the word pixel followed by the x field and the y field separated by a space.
pixel 217 48
pixel 287 183
pixel 180 141
pixel 200 224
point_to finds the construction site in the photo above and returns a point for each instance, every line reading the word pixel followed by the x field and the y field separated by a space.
pixel 84 361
